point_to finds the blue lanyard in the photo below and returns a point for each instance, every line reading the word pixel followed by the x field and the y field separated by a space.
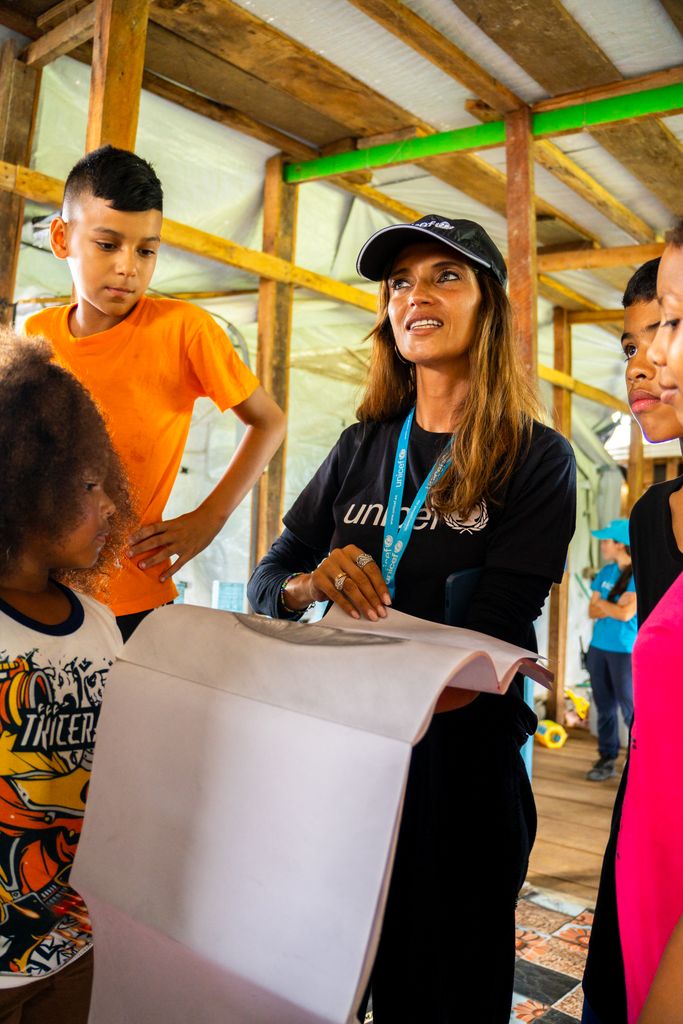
pixel 396 537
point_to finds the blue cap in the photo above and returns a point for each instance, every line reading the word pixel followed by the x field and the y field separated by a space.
pixel 616 530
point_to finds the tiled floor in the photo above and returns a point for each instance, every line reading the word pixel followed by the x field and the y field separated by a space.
pixel 552 940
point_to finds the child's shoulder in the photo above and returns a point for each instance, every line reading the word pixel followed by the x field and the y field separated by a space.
pixel 176 312
pixel 47 320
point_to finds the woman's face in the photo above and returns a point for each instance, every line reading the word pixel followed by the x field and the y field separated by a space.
pixel 434 300
pixel 666 350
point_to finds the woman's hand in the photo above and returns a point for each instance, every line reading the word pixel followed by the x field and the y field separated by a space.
pixel 358 589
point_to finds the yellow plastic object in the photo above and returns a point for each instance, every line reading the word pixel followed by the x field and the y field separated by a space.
pixel 581 705
pixel 551 734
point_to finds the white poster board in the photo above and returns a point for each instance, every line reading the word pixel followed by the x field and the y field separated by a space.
pixel 243 810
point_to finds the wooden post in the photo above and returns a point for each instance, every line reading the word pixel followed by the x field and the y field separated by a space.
pixel 559 595
pixel 521 218
pixel 18 101
pixel 274 335
pixel 635 474
pixel 116 78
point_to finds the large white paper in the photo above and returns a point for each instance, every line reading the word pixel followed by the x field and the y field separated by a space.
pixel 243 809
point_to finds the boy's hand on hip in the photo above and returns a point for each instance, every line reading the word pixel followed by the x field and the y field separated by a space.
pixel 185 536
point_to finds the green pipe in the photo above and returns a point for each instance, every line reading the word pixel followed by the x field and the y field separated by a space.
pixel 666 100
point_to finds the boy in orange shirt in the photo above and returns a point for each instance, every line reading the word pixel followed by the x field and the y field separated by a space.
pixel 145 361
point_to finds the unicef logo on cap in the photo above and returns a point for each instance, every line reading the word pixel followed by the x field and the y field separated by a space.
pixel 434 224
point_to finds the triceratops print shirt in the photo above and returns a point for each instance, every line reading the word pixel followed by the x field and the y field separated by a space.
pixel 51 684
pixel 525 530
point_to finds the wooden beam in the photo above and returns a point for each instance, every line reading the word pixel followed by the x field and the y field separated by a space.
pixel 655 80
pixel 60 12
pixel 62 39
pixel 675 11
pixel 565 380
pixel 17 21
pixel 19 87
pixel 417 33
pixel 497 99
pixel 522 233
pixel 571 60
pixel 274 338
pixel 635 474
pixel 596 316
pixel 589 259
pixel 116 76
pixel 41 188
pixel 562 361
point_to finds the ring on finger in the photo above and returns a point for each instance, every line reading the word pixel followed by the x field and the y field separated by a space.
pixel 339 581
pixel 363 560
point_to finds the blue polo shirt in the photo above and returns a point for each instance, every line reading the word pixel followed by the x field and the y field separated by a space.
pixel 612 634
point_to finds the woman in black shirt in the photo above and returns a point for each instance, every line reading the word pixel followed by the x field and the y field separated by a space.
pixel 448 415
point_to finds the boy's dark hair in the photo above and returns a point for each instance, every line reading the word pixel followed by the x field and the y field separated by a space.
pixel 125 180
pixel 52 436
pixel 643 285
pixel 675 235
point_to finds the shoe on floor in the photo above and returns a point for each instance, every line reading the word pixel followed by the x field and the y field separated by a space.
pixel 604 768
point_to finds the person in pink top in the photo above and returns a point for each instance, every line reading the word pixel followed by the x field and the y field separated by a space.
pixel 649 867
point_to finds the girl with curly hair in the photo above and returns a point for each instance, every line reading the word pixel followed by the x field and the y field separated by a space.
pixel 64 513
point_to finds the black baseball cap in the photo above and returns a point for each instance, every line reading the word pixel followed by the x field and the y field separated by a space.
pixel 465 236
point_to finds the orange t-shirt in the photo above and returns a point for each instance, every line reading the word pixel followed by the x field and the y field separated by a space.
pixel 145 375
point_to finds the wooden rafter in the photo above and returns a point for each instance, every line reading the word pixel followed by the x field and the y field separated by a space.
pixel 61 39
pixel 590 259
pixel 643 147
pixel 655 80
pixel 417 33
pixel 218 28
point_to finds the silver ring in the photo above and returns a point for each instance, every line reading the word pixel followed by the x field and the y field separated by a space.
pixel 340 580
pixel 364 560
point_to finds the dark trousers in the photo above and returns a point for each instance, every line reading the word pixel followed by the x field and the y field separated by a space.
pixel 61 998
pixel 129 623
pixel 447 949
pixel 612 687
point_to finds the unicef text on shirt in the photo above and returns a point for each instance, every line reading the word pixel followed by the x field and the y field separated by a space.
pixel 376 514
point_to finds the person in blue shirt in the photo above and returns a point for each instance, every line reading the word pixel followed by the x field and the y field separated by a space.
pixel 613 606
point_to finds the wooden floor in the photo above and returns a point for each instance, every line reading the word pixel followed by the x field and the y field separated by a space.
pixel 573 818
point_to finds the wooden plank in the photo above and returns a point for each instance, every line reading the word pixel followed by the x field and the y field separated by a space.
pixel 522 245
pixel 235 35
pixel 597 316
pixel 62 39
pixel 116 76
pixel 635 476
pixel 417 33
pixel 551 46
pixel 675 11
pixel 574 835
pixel 562 361
pixel 582 892
pixel 17 21
pixel 654 80
pixel 651 152
pixel 557 647
pixel 169 56
pixel 565 380
pixel 585 185
pixel 274 339
pixel 588 259
pixel 19 86
pixel 59 13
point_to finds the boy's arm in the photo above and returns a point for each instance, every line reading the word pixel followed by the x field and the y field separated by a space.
pixel 190 533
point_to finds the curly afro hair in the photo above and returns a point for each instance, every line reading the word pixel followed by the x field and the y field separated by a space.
pixel 52 435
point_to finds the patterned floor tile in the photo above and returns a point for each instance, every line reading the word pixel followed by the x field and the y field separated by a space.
pixel 575 934
pixel 572 1004
pixel 541 983
pixel 529 944
pixel 559 956
pixel 536 918
pixel 556 1017
pixel 525 1010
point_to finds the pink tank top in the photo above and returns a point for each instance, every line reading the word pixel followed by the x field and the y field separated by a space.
pixel 649 866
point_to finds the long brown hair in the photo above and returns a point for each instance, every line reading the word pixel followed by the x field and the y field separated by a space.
pixel 496 417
